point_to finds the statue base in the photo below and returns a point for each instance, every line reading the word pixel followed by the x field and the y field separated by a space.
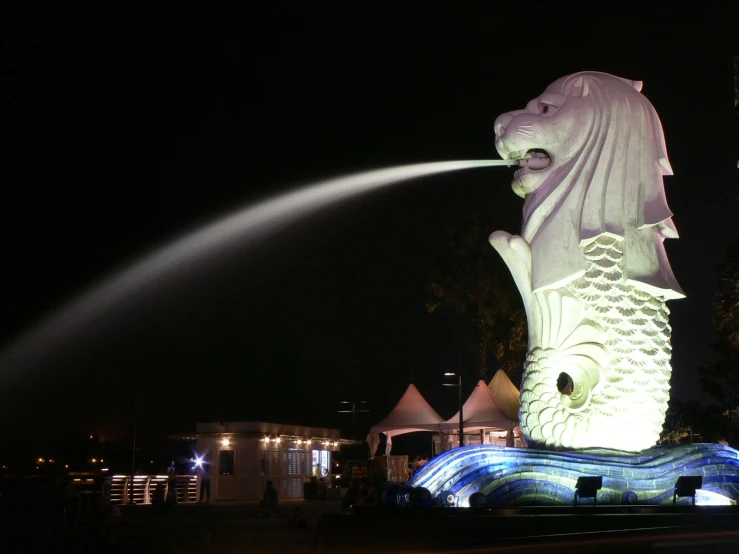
pixel 533 477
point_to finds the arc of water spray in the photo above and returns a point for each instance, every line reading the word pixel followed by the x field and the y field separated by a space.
pixel 250 222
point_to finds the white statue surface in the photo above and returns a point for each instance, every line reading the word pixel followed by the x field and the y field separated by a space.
pixel 590 263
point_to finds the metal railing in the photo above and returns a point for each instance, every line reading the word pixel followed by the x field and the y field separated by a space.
pixel 144 487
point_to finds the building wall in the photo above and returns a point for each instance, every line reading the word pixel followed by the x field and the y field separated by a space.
pixel 222 487
pixel 250 487
pixel 288 466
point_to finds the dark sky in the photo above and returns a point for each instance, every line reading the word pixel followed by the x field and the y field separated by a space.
pixel 125 129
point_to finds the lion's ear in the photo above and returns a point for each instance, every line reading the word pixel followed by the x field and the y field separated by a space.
pixel 580 87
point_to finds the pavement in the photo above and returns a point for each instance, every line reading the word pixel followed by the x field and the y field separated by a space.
pixel 220 528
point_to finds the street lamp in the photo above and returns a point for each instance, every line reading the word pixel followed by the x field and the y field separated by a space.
pixel 461 416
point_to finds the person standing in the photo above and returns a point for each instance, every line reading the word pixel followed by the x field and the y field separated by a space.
pixel 172 484
pixel 202 472
pixel 269 503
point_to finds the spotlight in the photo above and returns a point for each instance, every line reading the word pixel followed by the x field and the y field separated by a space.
pixel 587 487
pixel 686 486
pixel 199 461
pixel 226 442
pixel 478 500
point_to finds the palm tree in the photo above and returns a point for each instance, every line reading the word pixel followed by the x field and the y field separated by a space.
pixel 470 278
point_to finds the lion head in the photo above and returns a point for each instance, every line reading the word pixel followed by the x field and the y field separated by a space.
pixel 593 160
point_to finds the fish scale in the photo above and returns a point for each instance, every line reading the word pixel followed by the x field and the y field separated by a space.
pixel 639 339
pixel 635 382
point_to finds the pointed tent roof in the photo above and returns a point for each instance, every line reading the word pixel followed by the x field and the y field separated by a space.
pixel 506 393
pixel 411 413
pixel 481 411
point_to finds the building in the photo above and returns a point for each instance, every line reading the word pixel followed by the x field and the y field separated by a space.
pixel 241 457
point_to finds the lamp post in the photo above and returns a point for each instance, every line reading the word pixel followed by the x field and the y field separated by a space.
pixel 461 415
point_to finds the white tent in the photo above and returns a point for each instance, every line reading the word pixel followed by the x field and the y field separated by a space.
pixel 506 394
pixel 411 413
pixel 481 411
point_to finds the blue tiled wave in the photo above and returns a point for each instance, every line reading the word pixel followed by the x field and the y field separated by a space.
pixel 527 476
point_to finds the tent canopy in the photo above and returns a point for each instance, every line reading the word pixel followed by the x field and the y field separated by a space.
pixel 506 394
pixel 411 413
pixel 481 411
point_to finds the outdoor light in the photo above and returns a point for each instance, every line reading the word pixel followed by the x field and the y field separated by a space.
pixel 226 442
pixel 686 486
pixel 299 441
pixel 199 461
pixel 277 439
pixel 587 487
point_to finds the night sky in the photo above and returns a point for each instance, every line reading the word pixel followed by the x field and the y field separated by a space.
pixel 124 130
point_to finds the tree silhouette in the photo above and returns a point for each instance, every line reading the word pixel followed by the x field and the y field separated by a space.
pixel 470 278
pixel 727 297
pixel 721 379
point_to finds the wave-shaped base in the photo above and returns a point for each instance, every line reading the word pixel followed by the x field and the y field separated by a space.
pixel 532 477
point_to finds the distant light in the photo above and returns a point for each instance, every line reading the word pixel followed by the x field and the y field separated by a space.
pixel 101 460
pixel 41 460
pixel 226 442
pixel 51 461
pixel 104 469
pixel 94 460
pixel 66 466
pixel 277 439
pixel 449 374
pixel 336 443
pixel 299 441
pixel 199 462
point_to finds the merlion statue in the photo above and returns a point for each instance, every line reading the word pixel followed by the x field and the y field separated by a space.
pixel 590 263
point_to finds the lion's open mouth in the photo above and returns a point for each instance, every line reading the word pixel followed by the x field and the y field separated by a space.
pixel 536 159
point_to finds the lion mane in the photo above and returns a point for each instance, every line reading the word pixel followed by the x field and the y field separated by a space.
pixel 613 185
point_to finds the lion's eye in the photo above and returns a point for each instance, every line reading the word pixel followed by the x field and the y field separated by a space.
pixel 546 108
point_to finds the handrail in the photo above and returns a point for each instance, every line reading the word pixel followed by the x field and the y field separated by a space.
pixel 119 490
